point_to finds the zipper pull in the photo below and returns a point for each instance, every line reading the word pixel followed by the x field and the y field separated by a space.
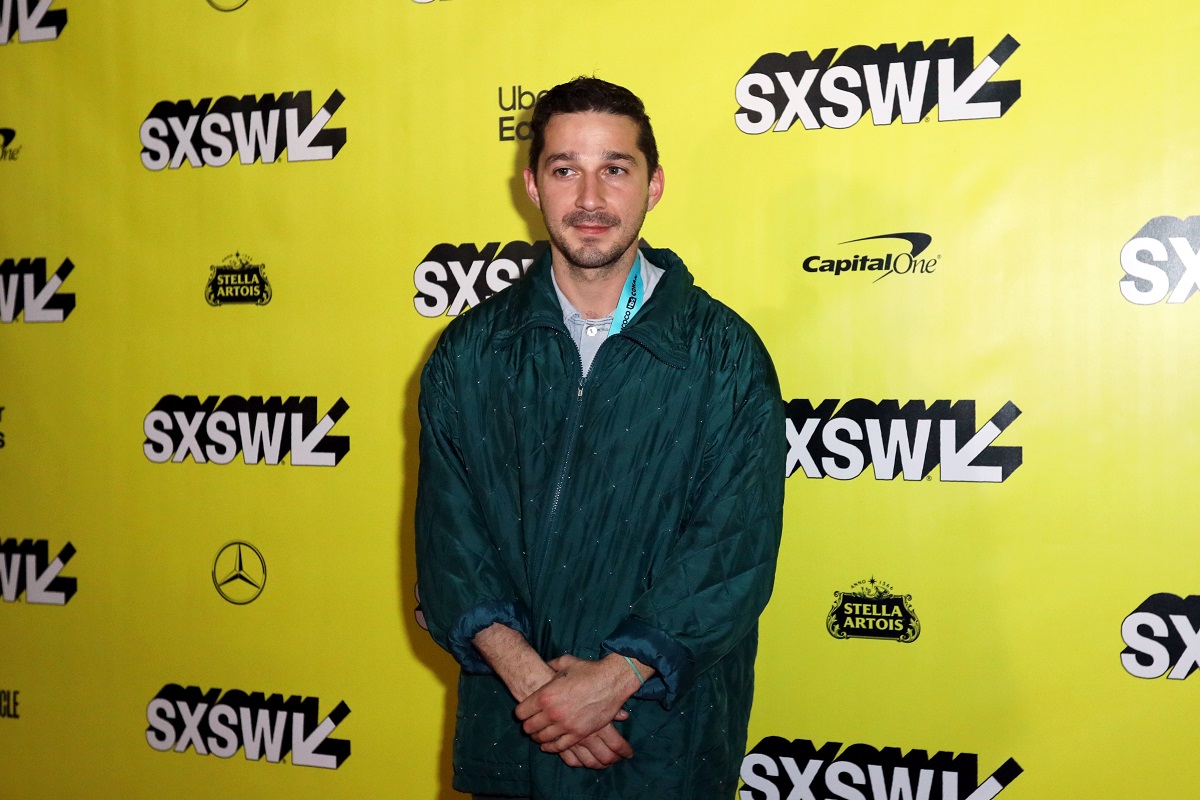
pixel 580 391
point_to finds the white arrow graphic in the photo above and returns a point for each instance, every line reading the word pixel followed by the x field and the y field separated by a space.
pixel 956 464
pixel 304 748
pixel 300 142
pixel 35 304
pixel 37 587
pixel 304 453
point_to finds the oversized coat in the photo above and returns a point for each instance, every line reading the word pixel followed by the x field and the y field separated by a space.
pixel 637 511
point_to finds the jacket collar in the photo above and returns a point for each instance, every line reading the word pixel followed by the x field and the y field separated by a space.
pixel 660 326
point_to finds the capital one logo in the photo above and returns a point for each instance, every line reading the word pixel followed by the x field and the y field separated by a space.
pixel 24 288
pixel 1162 261
pixel 220 724
pixel 453 278
pixel 26 568
pixel 1162 637
pixel 799 770
pixel 31 21
pixel 262 430
pixel 908 440
pixel 209 134
pixel 890 82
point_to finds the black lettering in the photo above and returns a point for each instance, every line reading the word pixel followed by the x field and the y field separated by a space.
pixel 9 703
pixel 507 129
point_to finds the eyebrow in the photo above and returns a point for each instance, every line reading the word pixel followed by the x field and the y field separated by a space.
pixel 609 155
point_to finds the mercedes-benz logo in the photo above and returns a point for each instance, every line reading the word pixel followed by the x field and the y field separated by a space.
pixel 239 573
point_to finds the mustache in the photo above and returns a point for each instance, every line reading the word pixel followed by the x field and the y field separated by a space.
pixel 580 217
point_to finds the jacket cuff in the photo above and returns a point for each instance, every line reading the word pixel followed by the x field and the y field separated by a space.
pixel 673 664
pixel 511 613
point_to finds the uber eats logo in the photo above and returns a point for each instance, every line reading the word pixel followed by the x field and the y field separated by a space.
pixel 207 133
pixel 453 278
pixel 909 440
pixel 777 769
pixel 262 430
pixel 1162 637
pixel 30 21
pixel 828 90
pixel 1162 261
pixel 26 568
pixel 516 98
pixel 220 724
pixel 23 287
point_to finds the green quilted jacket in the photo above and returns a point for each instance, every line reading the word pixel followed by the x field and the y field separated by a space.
pixel 636 511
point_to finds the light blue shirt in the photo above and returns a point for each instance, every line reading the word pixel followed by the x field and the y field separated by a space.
pixel 589 334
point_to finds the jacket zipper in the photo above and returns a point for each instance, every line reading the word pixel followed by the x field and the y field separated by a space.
pixel 564 463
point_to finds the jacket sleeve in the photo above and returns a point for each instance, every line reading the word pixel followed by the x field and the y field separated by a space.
pixel 461 583
pixel 719 572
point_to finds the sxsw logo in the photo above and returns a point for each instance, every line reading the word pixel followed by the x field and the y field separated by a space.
pixel 263 431
pixel 212 723
pixel 26 568
pixel 907 440
pixel 453 278
pixel 889 81
pixel 1162 261
pixel 1162 634
pixel 23 287
pixel 30 20
pixel 209 134
pixel 798 770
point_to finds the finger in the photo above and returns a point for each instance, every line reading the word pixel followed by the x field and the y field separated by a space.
pixel 562 662
pixel 622 715
pixel 583 756
pixel 569 757
pixel 615 741
pixel 547 734
pixel 599 750
pixel 563 741
pixel 536 723
pixel 527 707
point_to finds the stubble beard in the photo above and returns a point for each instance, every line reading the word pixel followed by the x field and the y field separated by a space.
pixel 589 257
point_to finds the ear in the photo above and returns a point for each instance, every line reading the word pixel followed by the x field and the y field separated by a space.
pixel 531 187
pixel 656 188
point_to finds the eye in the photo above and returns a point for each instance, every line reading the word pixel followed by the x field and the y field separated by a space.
pixel 615 170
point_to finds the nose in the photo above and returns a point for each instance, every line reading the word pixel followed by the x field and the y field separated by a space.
pixel 591 193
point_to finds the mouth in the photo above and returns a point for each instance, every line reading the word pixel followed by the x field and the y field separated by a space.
pixel 592 230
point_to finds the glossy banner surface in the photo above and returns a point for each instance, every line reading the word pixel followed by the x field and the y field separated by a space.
pixel 232 232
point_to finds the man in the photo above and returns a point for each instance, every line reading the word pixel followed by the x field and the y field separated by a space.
pixel 600 493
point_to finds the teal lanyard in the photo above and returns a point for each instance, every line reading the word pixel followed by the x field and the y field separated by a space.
pixel 631 298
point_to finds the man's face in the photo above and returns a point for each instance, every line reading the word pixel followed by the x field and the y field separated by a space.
pixel 592 187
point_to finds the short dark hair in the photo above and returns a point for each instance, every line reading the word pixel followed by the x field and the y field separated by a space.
pixel 591 94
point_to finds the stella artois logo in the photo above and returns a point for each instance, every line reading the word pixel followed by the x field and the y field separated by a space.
pixel 239 280
pixel 871 611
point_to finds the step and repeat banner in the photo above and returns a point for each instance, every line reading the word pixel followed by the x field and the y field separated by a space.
pixel 232 231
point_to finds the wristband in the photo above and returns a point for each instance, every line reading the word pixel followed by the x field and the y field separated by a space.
pixel 633 667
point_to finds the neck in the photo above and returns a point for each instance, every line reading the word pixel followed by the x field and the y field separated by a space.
pixel 595 291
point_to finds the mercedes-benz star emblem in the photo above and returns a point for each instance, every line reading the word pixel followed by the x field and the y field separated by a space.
pixel 239 573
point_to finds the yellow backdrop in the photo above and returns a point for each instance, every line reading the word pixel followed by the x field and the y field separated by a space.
pixel 231 237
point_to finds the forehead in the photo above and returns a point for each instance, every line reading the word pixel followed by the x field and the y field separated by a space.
pixel 591 134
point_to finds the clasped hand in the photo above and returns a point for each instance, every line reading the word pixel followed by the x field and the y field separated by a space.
pixel 572 714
